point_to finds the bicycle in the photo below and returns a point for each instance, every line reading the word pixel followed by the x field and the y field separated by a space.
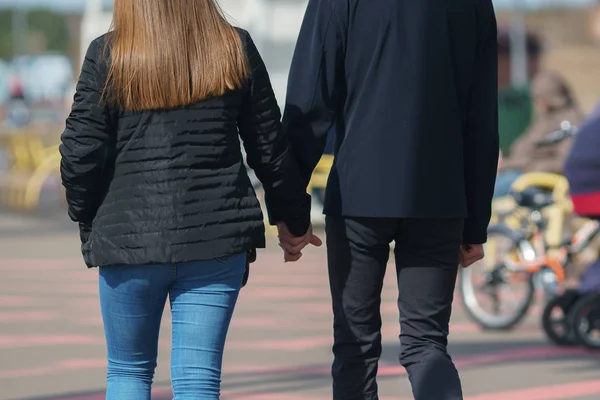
pixel 532 235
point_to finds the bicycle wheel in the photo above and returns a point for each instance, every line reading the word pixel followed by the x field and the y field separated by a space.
pixel 556 318
pixel 491 281
pixel 586 321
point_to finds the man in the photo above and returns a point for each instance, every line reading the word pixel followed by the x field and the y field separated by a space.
pixel 515 103
pixel 411 88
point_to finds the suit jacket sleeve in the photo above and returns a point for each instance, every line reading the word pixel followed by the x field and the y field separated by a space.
pixel 481 142
pixel 85 143
pixel 316 83
pixel 267 148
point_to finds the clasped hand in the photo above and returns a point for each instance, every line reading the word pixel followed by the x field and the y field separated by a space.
pixel 292 246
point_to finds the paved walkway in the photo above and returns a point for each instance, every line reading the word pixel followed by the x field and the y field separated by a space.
pixel 52 348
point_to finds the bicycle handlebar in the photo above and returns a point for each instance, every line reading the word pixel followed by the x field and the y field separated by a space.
pixel 566 130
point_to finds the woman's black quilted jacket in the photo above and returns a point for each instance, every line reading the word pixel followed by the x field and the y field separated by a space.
pixel 168 186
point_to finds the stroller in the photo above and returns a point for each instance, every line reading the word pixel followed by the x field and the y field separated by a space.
pixel 580 307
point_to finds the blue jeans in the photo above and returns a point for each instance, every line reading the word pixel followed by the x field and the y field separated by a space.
pixel 202 296
pixel 504 181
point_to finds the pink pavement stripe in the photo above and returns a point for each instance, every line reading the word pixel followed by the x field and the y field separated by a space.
pixel 290 345
pixel 525 354
pixel 567 391
pixel 93 321
pixel 27 316
pixel 15 341
pixel 62 289
pixel 88 303
pixel 258 281
pixel 281 396
pixel 281 293
pixel 324 307
pixel 255 322
pixel 101 396
pixel 62 366
pixel 39 264
pixel 19 341
pixel 16 301
pixel 37 276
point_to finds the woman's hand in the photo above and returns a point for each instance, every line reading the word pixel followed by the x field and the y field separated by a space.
pixel 292 246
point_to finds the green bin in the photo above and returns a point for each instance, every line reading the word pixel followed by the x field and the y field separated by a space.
pixel 515 114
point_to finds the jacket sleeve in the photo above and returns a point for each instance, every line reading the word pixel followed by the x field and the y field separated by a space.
pixel 316 84
pixel 481 142
pixel 267 149
pixel 84 144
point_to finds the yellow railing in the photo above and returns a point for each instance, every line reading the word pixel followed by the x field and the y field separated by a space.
pixel 318 181
pixel 31 163
pixel 321 173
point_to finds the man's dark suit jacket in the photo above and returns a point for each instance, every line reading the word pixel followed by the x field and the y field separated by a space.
pixel 411 87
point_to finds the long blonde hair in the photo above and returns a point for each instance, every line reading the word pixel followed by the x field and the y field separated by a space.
pixel 169 53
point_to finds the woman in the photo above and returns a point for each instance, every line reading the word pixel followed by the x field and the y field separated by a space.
pixel 582 170
pixel 554 103
pixel 582 167
pixel 153 172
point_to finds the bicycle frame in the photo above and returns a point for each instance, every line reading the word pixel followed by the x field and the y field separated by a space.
pixel 536 253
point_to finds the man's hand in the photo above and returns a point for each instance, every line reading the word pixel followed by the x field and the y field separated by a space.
pixel 470 254
pixel 292 246
pixel 500 162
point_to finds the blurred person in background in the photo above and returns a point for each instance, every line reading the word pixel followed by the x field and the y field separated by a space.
pixel 515 102
pixel 18 114
pixel 582 170
pixel 411 89
pixel 554 103
pixel 154 176
pixel 582 167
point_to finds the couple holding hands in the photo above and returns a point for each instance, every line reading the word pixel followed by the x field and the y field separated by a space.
pixel 154 177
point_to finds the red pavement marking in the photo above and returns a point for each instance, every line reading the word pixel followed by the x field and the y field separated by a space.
pixel 522 354
pixel 87 303
pixel 290 344
pixel 28 316
pixel 282 293
pixel 255 322
pixel 95 321
pixel 16 301
pixel 62 366
pixel 40 264
pixel 555 392
pixel 280 396
pixel 17 341
pixel 101 396
pixel 324 307
pixel 14 341
pixel 567 391
pixel 75 287
pixel 526 354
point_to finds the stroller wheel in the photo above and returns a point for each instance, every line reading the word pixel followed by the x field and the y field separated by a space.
pixel 585 321
pixel 556 318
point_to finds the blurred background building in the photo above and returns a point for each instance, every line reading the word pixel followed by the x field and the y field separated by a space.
pixel 42 43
